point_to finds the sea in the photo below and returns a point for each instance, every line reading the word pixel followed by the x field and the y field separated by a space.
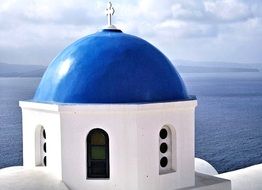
pixel 228 118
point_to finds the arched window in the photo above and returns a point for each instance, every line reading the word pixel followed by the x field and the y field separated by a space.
pixel 40 146
pixel 97 154
pixel 166 156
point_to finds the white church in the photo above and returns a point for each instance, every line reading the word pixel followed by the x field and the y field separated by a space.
pixel 111 113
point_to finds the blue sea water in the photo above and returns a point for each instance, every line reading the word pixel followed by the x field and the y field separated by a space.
pixel 228 118
pixel 11 91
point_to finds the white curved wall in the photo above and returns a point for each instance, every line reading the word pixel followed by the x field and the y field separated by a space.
pixel 204 167
pixel 246 178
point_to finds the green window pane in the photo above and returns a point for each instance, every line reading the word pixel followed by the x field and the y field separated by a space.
pixel 98 152
pixel 98 139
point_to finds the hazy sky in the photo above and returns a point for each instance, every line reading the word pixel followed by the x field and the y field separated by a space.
pixel 34 31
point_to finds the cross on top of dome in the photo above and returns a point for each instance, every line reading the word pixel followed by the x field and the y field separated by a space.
pixel 110 12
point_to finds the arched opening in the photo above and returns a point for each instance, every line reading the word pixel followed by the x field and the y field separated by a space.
pixel 97 154
pixel 40 146
pixel 167 150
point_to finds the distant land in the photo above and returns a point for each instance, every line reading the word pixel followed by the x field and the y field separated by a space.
pixel 217 64
pixel 186 66
pixel 202 69
pixel 16 70
pixel 183 66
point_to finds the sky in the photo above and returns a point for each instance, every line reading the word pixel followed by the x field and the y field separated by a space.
pixel 35 31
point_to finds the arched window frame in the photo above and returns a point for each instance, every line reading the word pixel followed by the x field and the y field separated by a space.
pixel 170 155
pixel 91 162
pixel 40 146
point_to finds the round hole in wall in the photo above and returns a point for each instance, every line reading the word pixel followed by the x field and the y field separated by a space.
pixel 163 162
pixel 163 133
pixel 44 135
pixel 44 147
pixel 163 147
pixel 44 161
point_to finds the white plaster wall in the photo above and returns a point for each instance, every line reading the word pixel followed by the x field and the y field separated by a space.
pixel 133 142
pixel 202 166
pixel 209 182
pixel 121 128
pixel 180 118
pixel 33 117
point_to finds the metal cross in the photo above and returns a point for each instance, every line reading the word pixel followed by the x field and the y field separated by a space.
pixel 109 12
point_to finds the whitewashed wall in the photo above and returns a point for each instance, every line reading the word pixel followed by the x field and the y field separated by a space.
pixel 133 142
pixel 33 116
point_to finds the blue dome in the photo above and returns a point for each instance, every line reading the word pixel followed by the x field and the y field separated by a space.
pixel 111 67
